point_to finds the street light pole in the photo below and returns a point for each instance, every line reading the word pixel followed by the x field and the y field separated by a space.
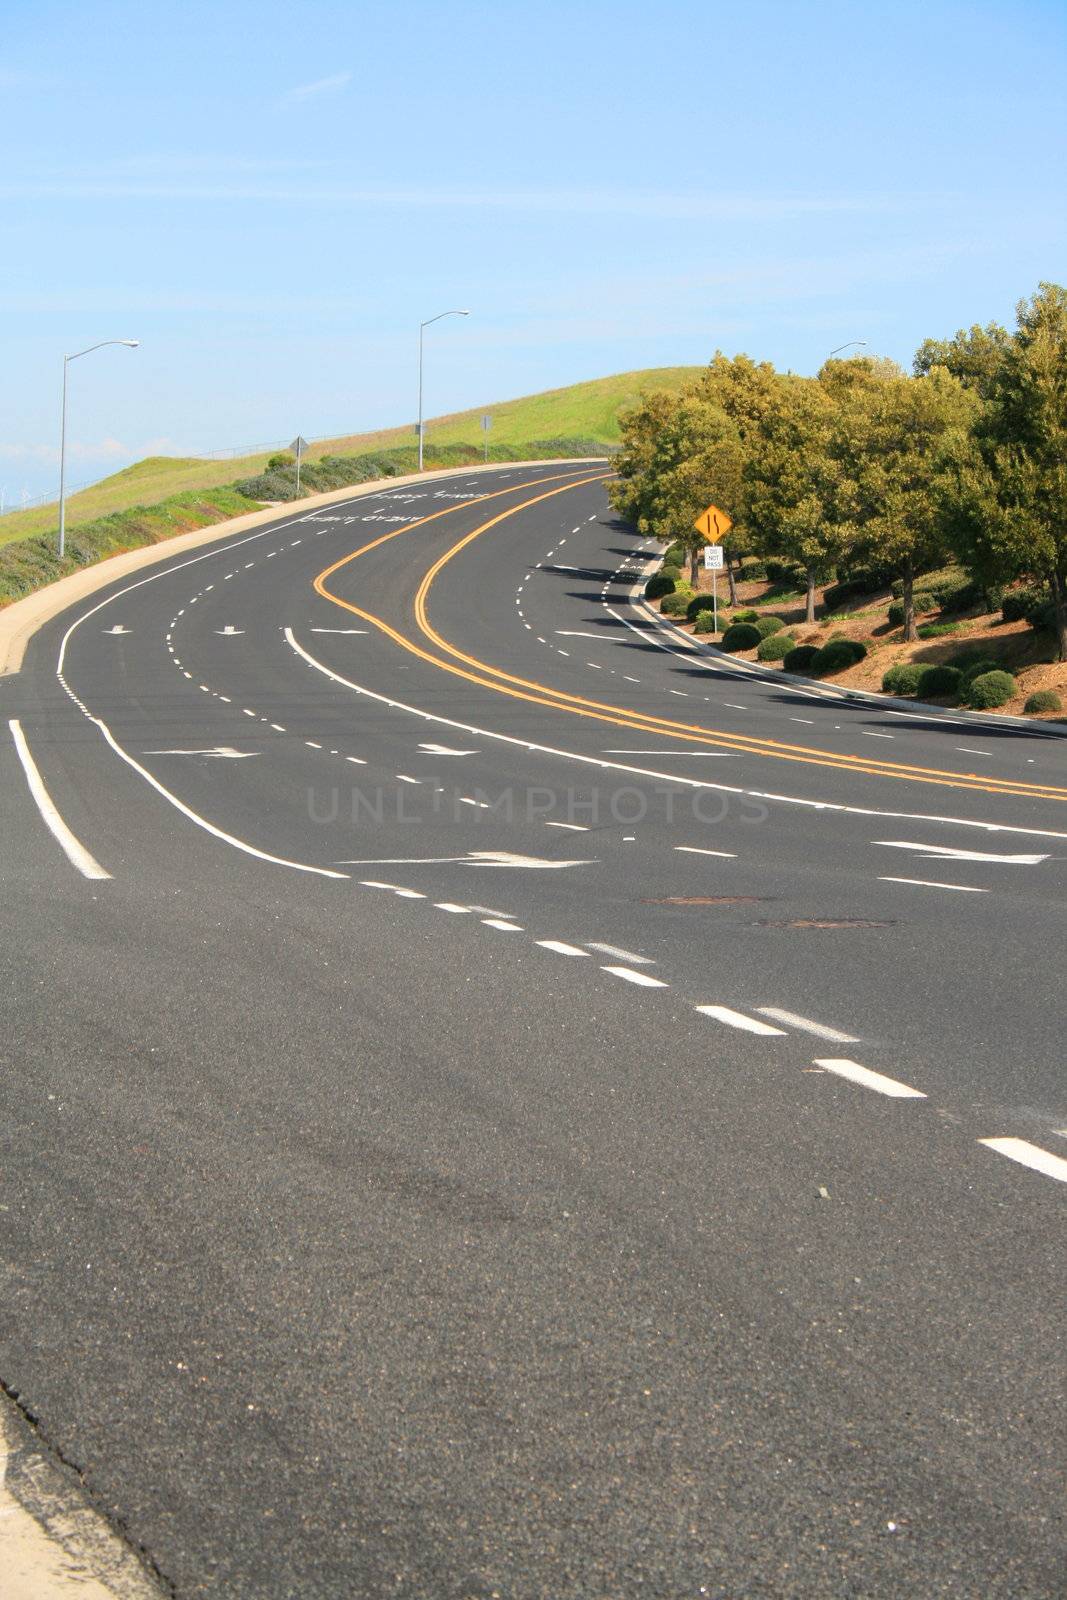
pixel 131 344
pixel 423 325
pixel 847 346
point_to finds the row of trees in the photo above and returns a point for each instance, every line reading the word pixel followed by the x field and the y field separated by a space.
pixel 865 466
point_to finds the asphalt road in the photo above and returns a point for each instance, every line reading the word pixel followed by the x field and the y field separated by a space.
pixel 499 1104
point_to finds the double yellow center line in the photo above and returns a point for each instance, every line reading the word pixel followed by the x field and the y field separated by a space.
pixel 486 676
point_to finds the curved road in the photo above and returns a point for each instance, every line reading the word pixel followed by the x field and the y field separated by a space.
pixel 499 1102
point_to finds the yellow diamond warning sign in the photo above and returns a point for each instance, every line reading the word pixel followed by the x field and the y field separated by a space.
pixel 713 523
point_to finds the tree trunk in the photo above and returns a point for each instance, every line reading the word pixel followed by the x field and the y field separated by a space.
pixel 730 579
pixel 809 614
pixel 1058 582
pixel 694 565
pixel 910 635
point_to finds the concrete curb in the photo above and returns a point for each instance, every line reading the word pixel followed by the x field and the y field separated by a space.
pixel 843 692
pixel 21 620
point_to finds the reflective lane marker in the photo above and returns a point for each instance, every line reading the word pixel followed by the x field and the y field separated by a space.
pixel 805 1024
pixel 504 927
pixel 623 955
pixel 560 948
pixel 572 827
pixel 929 883
pixel 630 976
pixel 737 1019
pixel 1029 1155
pixel 695 850
pixel 870 1080
pixel 72 848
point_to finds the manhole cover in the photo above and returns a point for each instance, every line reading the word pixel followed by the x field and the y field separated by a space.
pixel 825 922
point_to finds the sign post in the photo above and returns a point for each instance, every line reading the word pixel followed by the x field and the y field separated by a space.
pixel 713 524
pixel 487 423
pixel 298 447
pixel 713 562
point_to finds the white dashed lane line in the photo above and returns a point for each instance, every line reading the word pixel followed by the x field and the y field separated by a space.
pixel 697 850
pixel 501 925
pixel 561 948
pixel 930 883
pixel 1029 1155
pixel 644 979
pixel 806 1025
pixel 737 1019
pixel 855 1073
pixel 622 955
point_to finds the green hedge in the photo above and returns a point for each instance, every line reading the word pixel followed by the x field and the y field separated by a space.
pixel 1044 700
pixel 990 689
pixel 775 647
pixel 769 625
pixel 943 681
pixel 658 585
pixel 902 679
pixel 800 658
pixel 740 636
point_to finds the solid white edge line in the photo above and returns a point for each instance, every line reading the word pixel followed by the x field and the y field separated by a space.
pixel 1029 1155
pixel 806 1025
pixel 737 1019
pixel 868 1079
pixel 641 978
pixel 72 848
pixel 649 772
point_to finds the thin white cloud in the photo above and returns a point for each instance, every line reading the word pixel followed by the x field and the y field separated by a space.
pixel 317 90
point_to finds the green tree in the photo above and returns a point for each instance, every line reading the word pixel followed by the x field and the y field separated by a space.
pixel 1006 507
pixel 974 356
pixel 896 441
pixel 797 500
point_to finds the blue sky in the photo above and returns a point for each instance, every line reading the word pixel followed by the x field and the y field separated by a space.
pixel 271 197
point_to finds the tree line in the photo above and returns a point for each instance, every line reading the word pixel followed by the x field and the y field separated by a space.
pixel 866 466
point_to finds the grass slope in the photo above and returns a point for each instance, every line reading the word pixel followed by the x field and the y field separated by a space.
pixel 587 410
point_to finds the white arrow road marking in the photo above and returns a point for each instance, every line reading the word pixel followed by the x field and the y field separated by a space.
pixel 221 752
pixel 949 853
pixel 229 629
pixel 340 630
pixel 118 628
pixel 445 750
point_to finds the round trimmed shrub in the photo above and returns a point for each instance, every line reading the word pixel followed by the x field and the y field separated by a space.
pixel 704 622
pixel 896 614
pixel 658 585
pixel 856 648
pixel 700 602
pixel 746 616
pixel 940 680
pixel 990 689
pixel 800 657
pixel 775 647
pixel 904 678
pixel 676 604
pixel 740 636
pixel 768 625
pixel 283 460
pixel 1044 700
pixel 671 570
pixel 1018 604
pixel 836 656
pixel 974 668
pixel 674 555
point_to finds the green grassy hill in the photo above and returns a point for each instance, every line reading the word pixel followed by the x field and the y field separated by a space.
pixel 582 410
